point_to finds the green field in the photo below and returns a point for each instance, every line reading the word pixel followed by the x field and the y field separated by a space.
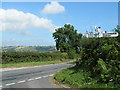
pixel 23 59
pixel 29 64
pixel 28 48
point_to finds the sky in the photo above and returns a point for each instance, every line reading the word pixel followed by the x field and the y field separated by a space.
pixel 32 23
pixel 60 0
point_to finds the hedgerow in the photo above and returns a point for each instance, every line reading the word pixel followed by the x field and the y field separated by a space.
pixel 16 57
pixel 101 58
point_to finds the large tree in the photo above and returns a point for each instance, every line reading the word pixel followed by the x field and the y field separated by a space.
pixel 67 38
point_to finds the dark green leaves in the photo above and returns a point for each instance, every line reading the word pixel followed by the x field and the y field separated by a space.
pixel 67 39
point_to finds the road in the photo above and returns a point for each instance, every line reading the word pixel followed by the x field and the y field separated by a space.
pixel 32 77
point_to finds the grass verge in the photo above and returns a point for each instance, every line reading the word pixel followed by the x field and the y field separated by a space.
pixel 79 79
pixel 28 64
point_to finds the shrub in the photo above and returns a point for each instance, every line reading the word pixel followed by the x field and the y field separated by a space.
pixel 100 57
pixel 16 57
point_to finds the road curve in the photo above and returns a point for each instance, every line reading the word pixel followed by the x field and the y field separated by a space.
pixel 32 77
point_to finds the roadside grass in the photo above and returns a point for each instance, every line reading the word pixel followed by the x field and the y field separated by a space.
pixel 29 64
pixel 79 79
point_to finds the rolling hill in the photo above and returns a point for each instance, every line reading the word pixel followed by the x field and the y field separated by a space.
pixel 28 48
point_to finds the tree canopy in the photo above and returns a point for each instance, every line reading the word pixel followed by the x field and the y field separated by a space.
pixel 67 38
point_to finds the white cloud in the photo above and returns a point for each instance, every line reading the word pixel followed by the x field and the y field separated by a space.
pixel 53 8
pixel 14 20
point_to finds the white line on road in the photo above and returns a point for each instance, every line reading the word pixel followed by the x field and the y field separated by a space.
pixel 38 78
pixel 0 86
pixel 51 75
pixel 21 81
pixel 45 76
pixel 30 79
pixel 10 84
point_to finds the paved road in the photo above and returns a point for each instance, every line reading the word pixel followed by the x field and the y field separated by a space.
pixel 33 77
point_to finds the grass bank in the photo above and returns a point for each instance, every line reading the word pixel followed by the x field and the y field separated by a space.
pixel 28 64
pixel 80 79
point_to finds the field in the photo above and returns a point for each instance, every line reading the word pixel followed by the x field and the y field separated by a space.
pixel 28 48
pixel 26 59
pixel 30 64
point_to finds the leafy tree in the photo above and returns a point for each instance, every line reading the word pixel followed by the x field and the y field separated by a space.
pixel 67 39
pixel 117 29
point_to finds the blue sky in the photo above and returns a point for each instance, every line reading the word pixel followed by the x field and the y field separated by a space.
pixel 82 15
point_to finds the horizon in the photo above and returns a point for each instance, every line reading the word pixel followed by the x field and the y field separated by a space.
pixel 32 23
pixel 27 46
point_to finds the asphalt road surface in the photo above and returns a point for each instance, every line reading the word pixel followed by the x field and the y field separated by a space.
pixel 32 77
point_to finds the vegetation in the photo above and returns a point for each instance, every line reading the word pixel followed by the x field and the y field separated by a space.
pixel 29 64
pixel 97 64
pixel 99 59
pixel 28 49
pixel 67 40
pixel 18 57
pixel 81 79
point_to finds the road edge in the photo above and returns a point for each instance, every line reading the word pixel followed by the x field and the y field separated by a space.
pixel 59 84
pixel 14 68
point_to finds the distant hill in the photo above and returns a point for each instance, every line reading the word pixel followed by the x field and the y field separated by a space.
pixel 28 48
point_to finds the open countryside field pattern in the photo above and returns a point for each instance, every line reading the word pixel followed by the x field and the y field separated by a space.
pixel 60 45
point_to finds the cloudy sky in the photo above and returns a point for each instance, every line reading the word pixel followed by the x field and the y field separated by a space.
pixel 32 23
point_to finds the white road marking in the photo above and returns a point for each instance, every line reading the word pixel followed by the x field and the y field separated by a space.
pixel 0 86
pixel 30 79
pixel 51 75
pixel 21 81
pixel 45 76
pixel 10 84
pixel 38 77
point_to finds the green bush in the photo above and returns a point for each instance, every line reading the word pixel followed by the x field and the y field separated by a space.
pixel 16 57
pixel 80 79
pixel 100 57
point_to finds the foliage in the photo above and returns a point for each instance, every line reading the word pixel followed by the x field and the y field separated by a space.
pixel 67 40
pixel 17 57
pixel 80 79
pixel 71 53
pixel 29 64
pixel 102 66
pixel 101 57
